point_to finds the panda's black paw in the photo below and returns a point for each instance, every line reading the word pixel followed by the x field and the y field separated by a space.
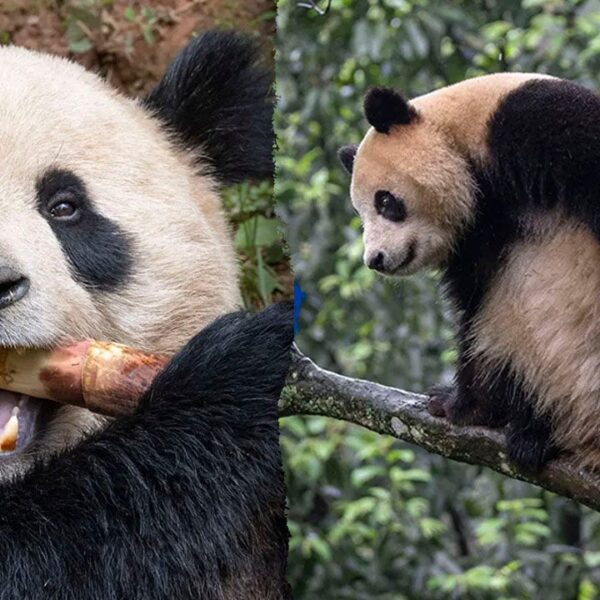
pixel 459 407
pixel 441 400
pixel 239 357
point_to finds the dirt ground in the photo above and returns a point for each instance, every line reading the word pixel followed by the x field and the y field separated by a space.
pixel 130 43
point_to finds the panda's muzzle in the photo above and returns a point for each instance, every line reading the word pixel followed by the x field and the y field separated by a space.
pixel 13 286
pixel 410 256
pixel 381 262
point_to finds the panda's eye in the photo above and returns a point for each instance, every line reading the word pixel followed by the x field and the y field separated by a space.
pixel 389 207
pixel 63 208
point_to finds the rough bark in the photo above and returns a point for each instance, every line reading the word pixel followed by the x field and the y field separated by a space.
pixel 311 390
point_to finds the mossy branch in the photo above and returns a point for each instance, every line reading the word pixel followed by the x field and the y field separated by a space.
pixel 311 390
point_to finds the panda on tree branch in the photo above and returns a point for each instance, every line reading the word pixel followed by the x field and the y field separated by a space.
pixel 495 180
pixel 113 229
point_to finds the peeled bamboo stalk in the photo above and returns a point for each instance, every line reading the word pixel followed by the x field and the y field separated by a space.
pixel 106 378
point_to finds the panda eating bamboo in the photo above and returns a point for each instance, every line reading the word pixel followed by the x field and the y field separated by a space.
pixel 496 180
pixel 112 229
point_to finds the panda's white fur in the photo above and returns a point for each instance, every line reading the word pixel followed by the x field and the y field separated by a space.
pixel 542 314
pixel 435 182
pixel 53 113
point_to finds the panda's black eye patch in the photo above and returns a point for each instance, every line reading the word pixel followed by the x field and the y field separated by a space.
pixel 98 250
pixel 389 206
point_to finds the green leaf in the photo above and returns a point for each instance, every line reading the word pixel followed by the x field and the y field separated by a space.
pixel 80 46
pixel 587 590
pixel 489 530
pixel 431 527
pixel 90 18
pixel 149 37
pixel 363 474
pixel 258 231
pixel 316 545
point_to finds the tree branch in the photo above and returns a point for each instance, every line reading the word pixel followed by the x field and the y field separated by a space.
pixel 311 390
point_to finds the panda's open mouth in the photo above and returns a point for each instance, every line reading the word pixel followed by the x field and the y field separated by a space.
pixel 20 419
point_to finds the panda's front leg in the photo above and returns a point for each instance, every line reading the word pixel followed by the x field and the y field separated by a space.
pixel 468 402
pixel 183 499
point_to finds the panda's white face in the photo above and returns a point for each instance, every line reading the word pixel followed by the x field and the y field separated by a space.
pixel 413 192
pixel 106 231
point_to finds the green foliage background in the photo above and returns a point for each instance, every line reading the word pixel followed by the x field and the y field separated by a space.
pixel 372 518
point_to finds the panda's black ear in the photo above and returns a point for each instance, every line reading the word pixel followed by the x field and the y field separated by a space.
pixel 385 107
pixel 217 98
pixel 346 155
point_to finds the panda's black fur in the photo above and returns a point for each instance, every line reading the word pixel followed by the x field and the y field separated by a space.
pixel 539 155
pixel 184 499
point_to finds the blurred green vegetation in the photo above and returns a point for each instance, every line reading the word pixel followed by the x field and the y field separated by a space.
pixel 372 518
pixel 265 275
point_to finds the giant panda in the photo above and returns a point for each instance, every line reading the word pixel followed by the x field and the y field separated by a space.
pixel 496 181
pixel 112 229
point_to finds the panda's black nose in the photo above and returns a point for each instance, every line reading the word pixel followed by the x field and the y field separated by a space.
pixel 376 262
pixel 13 286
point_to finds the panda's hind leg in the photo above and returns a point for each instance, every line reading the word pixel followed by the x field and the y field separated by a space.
pixel 529 435
pixel 529 439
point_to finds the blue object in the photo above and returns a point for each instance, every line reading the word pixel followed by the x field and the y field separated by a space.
pixel 299 297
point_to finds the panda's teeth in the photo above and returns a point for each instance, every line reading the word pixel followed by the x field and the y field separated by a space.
pixel 8 437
